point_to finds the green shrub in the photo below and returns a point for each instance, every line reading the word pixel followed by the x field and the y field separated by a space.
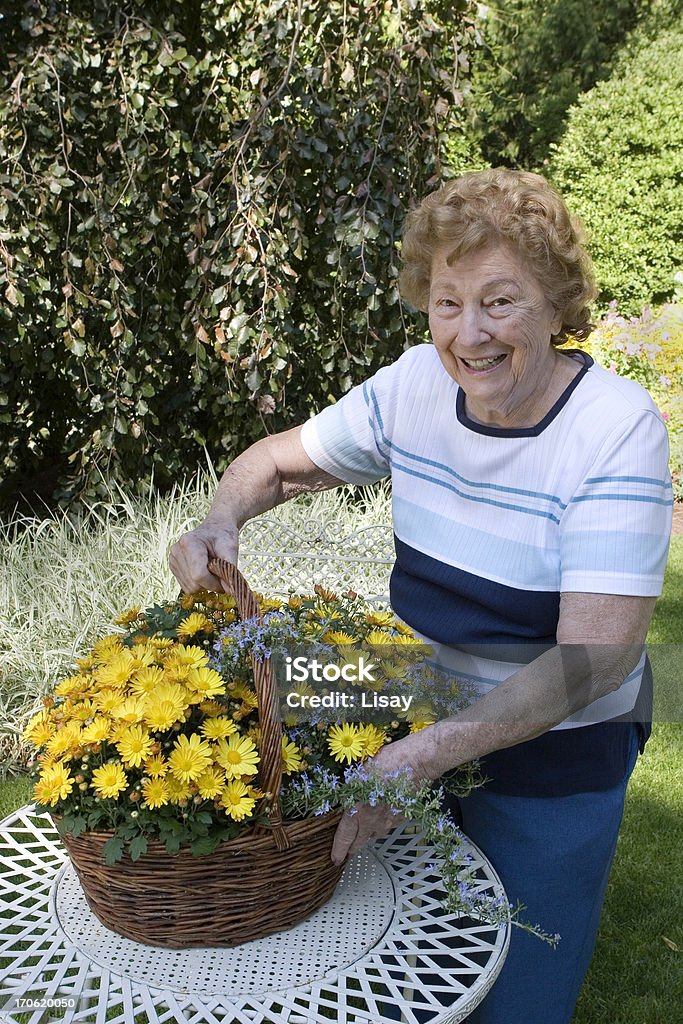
pixel 620 166
pixel 533 65
pixel 199 204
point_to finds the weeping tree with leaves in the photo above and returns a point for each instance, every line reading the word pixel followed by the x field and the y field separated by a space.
pixel 199 210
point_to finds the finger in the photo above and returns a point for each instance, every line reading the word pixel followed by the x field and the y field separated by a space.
pixel 347 830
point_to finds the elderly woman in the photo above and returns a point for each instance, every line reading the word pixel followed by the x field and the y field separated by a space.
pixel 531 506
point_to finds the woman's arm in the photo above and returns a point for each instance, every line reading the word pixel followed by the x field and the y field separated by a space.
pixel 271 471
pixel 600 638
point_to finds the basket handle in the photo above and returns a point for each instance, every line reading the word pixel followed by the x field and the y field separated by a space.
pixel 270 744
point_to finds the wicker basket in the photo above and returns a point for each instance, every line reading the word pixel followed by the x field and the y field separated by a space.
pixel 266 880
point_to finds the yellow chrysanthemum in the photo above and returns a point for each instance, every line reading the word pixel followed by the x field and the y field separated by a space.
pixel 294 602
pixel 129 710
pixel 156 766
pixel 106 647
pixel 211 782
pixel 378 636
pixel 177 790
pixel 96 731
pixel 109 780
pixel 339 637
pixel 155 793
pixel 206 682
pixel 193 657
pixel 237 800
pixel 146 680
pixel 268 604
pixel 80 711
pixel 125 617
pixel 344 742
pixel 211 708
pixel 134 746
pixel 419 726
pixel 39 729
pixel 107 701
pixel 86 663
pixel 193 624
pixel 382 619
pixel 372 738
pixel 118 670
pixel 72 684
pixel 291 757
pixel 55 784
pixel 166 706
pixel 218 728
pixel 190 757
pixel 408 640
pixel 66 740
pixel 237 755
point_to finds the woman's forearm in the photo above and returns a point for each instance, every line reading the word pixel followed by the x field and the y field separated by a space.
pixel 560 682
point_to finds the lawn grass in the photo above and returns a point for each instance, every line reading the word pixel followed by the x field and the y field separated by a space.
pixel 60 585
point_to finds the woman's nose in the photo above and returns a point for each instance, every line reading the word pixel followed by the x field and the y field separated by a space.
pixel 471 327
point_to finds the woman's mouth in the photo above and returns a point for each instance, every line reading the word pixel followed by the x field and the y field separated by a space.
pixel 483 365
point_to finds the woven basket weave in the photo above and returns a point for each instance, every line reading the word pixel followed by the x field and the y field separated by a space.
pixel 267 880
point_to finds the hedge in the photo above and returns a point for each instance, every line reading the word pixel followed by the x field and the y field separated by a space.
pixel 199 207
pixel 620 166
pixel 533 65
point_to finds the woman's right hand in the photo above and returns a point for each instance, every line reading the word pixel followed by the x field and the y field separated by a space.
pixel 189 556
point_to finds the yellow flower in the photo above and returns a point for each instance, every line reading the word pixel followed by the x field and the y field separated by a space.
pixel 211 782
pixel 344 742
pixel 147 679
pixel 291 757
pixel 237 755
pixel 97 731
pixel 129 710
pixel 385 619
pixel 165 706
pixel 294 602
pixel 211 708
pixel 117 671
pixel 55 784
pixel 109 780
pixel 326 595
pixel 65 740
pixel 339 637
pixel 155 766
pixel 378 636
pixel 125 617
pixel 177 790
pixel 372 738
pixel 218 728
pixel 155 793
pixel 206 682
pixel 192 657
pixel 39 730
pixel 193 624
pixel 237 801
pixel 108 701
pixel 71 684
pixel 419 726
pixel 134 745
pixel 106 647
pixel 190 757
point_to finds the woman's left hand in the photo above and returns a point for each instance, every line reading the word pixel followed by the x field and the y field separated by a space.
pixel 364 822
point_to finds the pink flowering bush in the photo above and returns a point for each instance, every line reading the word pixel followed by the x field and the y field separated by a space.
pixel 649 349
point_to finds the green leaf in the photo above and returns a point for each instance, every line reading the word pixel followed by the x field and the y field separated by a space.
pixel 112 851
pixel 138 847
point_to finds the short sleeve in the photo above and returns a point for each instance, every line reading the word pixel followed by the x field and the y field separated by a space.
pixel 347 439
pixel 615 530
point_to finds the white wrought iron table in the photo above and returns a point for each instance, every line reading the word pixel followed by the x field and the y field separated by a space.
pixel 382 949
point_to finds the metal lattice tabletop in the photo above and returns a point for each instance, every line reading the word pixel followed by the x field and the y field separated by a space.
pixel 383 948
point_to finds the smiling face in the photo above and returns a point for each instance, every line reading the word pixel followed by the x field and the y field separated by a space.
pixel 491 324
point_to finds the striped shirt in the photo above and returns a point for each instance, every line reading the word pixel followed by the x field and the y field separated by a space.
pixel 492 524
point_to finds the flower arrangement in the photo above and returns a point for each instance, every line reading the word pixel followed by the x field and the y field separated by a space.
pixel 156 734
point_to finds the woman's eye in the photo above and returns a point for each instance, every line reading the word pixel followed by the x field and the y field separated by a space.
pixel 501 301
